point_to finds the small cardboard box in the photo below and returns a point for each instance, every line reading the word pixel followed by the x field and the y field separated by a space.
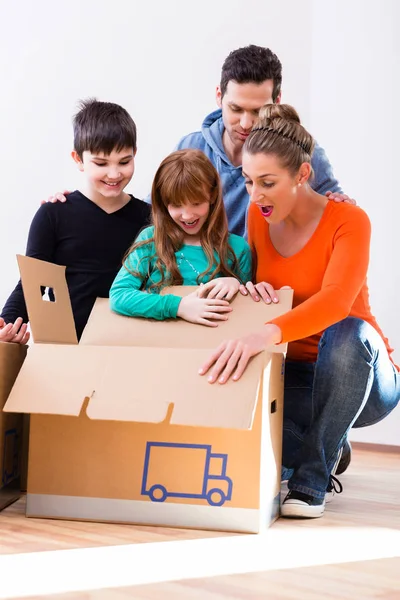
pixel 11 425
pixel 123 429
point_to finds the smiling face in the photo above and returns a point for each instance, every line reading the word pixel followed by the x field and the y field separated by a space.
pixel 271 187
pixel 107 175
pixel 190 217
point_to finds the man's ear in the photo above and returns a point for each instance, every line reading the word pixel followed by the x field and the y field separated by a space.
pixel 278 98
pixel 77 159
pixel 218 96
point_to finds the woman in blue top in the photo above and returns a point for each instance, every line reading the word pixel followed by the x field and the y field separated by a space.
pixel 188 244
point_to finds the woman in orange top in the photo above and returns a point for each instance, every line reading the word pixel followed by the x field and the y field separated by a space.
pixel 338 370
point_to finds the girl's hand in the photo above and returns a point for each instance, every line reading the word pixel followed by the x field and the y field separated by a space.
pixel 16 333
pixel 261 290
pixel 221 288
pixel 232 356
pixel 204 311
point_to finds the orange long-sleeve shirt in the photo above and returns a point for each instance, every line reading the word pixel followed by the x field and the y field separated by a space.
pixel 328 276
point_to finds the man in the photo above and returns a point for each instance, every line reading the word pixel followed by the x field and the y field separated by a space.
pixel 250 78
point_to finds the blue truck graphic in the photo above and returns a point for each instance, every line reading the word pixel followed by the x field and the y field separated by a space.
pixel 212 484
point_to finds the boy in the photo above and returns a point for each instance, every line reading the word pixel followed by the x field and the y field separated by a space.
pixel 91 232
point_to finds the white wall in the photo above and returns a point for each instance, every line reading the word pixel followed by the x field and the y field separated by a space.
pixel 354 111
pixel 161 60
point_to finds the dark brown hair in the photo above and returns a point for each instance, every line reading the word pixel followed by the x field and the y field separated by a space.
pixel 103 127
pixel 187 176
pixel 252 64
pixel 278 131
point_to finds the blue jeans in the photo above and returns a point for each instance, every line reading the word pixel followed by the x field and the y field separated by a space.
pixel 352 384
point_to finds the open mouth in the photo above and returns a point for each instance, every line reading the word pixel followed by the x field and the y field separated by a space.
pixel 266 211
pixel 190 224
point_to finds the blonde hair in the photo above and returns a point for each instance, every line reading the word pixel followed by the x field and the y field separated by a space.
pixel 187 176
pixel 278 131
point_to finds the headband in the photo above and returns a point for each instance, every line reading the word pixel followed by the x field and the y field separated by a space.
pixel 288 137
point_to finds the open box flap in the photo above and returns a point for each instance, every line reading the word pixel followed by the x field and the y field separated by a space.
pixel 49 321
pixel 107 328
pixel 53 322
pixel 55 379
pixel 133 384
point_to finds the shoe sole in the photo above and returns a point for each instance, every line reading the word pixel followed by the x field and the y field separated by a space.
pixel 299 510
pixel 329 497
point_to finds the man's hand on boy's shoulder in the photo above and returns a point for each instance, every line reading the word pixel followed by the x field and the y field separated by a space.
pixel 339 197
pixel 58 197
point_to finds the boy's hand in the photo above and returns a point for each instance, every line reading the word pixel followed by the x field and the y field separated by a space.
pixel 223 288
pixel 59 197
pixel 204 311
pixel 16 333
pixel 338 197
pixel 262 290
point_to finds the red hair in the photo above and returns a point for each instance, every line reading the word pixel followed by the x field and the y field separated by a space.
pixel 188 176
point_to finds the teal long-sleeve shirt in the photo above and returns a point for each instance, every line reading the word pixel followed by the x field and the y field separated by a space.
pixel 127 295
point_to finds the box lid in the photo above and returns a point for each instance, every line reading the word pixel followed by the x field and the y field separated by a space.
pixel 107 328
pixel 132 369
pixel 53 322
pixel 133 384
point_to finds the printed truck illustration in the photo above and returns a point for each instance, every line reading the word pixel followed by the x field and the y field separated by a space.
pixel 185 471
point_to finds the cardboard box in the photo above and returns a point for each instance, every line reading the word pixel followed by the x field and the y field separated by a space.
pixel 123 429
pixel 11 431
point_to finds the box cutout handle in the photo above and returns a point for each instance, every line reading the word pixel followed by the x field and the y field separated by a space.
pixel 48 293
pixel 273 407
pixel 50 321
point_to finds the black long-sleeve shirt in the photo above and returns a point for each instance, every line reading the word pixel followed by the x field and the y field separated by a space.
pixel 88 241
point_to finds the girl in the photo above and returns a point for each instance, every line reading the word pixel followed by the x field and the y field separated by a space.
pixel 188 244
pixel 339 373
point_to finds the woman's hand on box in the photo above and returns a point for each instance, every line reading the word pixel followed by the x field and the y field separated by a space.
pixel 230 359
pixel 14 332
pixel 260 291
pixel 222 288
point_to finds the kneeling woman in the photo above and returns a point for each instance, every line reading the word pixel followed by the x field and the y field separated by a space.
pixel 339 373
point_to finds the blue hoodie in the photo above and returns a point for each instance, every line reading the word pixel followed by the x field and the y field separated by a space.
pixel 236 198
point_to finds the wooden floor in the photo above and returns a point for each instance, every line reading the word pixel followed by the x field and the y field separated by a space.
pixel 353 552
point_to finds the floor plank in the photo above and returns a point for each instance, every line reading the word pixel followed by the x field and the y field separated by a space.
pixel 352 552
